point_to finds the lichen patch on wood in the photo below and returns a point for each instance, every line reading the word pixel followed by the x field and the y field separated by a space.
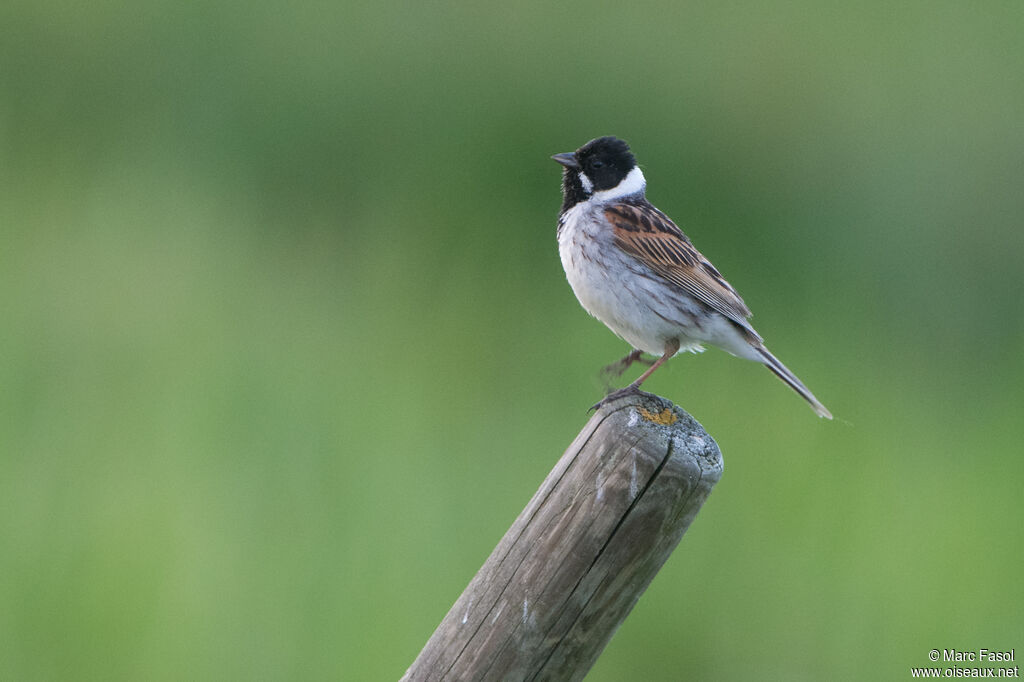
pixel 666 417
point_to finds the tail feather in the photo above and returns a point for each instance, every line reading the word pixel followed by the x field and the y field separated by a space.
pixel 781 371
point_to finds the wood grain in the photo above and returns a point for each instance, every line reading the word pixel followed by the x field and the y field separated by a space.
pixel 578 557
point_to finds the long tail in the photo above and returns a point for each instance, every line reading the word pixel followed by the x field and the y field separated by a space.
pixel 781 371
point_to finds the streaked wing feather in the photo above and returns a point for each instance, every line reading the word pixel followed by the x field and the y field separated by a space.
pixel 647 234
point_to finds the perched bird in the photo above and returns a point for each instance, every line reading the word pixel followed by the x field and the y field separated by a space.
pixel 633 269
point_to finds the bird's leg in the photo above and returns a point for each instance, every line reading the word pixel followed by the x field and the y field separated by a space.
pixel 615 370
pixel 671 348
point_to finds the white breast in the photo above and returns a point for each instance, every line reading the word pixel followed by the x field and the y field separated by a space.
pixel 617 289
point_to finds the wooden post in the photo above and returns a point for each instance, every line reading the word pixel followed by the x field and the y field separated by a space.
pixel 575 562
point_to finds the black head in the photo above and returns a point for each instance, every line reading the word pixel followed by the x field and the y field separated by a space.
pixel 599 165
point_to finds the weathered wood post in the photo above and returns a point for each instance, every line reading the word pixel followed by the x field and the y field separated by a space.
pixel 575 562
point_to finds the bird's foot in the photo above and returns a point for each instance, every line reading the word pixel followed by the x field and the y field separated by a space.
pixel 632 389
pixel 616 369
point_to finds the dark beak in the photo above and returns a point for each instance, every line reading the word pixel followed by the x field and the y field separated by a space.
pixel 567 159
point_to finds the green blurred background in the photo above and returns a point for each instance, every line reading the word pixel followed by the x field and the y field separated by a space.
pixel 287 344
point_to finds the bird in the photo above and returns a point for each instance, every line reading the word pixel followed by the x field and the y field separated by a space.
pixel 633 269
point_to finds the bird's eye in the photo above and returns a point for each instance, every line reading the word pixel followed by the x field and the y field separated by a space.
pixel 597 163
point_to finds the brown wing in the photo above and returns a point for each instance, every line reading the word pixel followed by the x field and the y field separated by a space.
pixel 647 234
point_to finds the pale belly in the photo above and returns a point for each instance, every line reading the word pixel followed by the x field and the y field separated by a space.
pixel 634 302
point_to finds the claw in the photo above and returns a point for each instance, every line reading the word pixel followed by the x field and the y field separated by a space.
pixel 615 395
pixel 671 348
